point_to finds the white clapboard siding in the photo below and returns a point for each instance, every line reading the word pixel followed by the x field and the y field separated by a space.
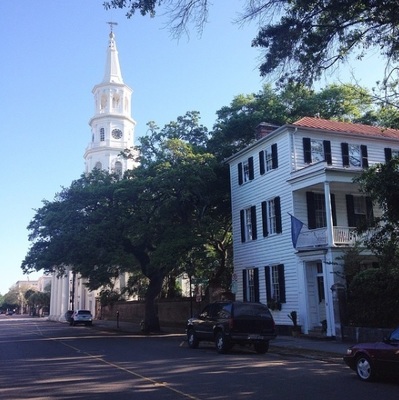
pixel 290 181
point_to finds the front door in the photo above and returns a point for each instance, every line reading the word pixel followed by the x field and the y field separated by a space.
pixel 316 294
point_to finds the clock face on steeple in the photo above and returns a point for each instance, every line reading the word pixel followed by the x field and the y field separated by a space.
pixel 116 133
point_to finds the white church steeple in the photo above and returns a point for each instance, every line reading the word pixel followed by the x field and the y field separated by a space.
pixel 112 125
pixel 112 67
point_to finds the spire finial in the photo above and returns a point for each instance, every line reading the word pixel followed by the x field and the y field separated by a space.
pixel 111 25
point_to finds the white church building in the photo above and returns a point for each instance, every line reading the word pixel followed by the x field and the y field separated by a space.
pixel 112 131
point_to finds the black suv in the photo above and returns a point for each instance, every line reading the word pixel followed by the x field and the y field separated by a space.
pixel 232 322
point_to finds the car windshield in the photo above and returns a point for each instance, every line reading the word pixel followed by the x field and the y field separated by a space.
pixel 84 312
pixel 395 335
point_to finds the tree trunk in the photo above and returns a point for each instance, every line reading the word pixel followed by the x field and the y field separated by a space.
pixel 151 319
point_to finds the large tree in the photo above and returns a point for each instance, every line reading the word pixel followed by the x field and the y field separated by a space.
pixel 236 123
pixel 302 38
pixel 381 183
pixel 155 220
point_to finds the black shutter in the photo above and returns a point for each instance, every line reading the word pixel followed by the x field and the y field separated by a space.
pixel 333 209
pixel 274 156
pixel 311 210
pixel 281 283
pixel 350 209
pixel 256 284
pixel 244 284
pixel 264 219
pixel 251 168
pixel 369 210
pixel 327 152
pixel 277 209
pixel 307 152
pixel 268 284
pixel 262 162
pixel 365 161
pixel 253 222
pixel 242 223
pixel 388 154
pixel 239 168
pixel 345 154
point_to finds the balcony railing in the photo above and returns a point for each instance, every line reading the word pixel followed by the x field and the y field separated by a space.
pixel 344 235
pixel 318 237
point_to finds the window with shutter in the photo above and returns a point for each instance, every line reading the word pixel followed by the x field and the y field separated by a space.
pixel 271 216
pixel 248 224
pixel 316 150
pixel 268 159
pixel 275 285
pixel 251 281
pixel 245 171
pixel 354 155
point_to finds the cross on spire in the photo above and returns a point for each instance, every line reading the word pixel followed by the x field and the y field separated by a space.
pixel 111 24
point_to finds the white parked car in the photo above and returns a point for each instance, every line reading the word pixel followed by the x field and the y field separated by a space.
pixel 81 317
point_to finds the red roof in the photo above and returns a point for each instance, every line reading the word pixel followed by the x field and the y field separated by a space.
pixel 336 126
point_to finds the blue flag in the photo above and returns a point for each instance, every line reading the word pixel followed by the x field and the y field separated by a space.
pixel 296 226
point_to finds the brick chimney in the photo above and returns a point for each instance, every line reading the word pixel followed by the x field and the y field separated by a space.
pixel 263 129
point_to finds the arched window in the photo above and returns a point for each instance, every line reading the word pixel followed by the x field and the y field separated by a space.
pixel 126 104
pixel 115 101
pixel 98 165
pixel 103 102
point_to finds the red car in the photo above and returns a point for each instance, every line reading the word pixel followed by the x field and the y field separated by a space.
pixel 370 360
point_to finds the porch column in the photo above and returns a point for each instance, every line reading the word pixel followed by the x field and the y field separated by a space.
pixel 330 225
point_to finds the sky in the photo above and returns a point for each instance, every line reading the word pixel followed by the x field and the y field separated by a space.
pixel 54 52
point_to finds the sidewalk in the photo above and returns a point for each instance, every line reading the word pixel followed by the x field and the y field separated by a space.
pixel 282 344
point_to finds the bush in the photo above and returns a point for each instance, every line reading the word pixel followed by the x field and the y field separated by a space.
pixel 373 298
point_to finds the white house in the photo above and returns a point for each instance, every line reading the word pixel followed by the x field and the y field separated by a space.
pixel 295 209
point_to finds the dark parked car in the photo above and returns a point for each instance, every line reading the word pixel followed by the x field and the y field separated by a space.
pixel 370 360
pixel 68 315
pixel 81 317
pixel 228 323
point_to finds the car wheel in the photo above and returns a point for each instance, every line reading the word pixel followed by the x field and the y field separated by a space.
pixel 261 347
pixel 192 339
pixel 221 343
pixel 364 368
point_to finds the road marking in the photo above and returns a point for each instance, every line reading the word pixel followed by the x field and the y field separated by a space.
pixel 136 374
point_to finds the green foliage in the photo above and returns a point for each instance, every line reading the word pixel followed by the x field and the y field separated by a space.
pixel 236 124
pixel 381 183
pixel 302 39
pixel 313 36
pixel 148 223
pixel 37 300
pixel 144 7
pixel 11 300
pixel 373 298
pixel 109 297
pixel 352 261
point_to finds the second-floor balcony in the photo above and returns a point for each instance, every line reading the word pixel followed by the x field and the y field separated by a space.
pixel 315 238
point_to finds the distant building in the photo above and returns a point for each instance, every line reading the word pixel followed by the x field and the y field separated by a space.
pixel 43 282
pixel 25 285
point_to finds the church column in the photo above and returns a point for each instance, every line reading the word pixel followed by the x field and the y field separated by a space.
pixel 53 297
pixel 64 295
